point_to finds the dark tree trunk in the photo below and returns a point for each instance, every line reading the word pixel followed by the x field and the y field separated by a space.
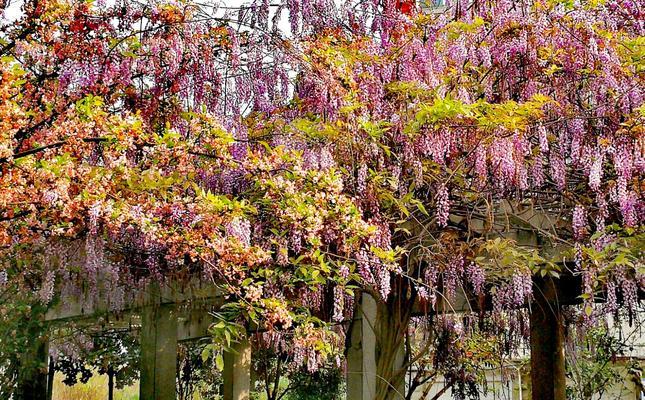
pixel 50 378
pixel 110 373
pixel 392 320
pixel 548 380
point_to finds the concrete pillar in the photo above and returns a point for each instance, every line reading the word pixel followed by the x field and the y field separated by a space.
pixel 361 355
pixel 548 380
pixel 158 353
pixel 237 371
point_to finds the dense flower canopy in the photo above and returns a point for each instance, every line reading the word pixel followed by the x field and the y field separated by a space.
pixel 374 146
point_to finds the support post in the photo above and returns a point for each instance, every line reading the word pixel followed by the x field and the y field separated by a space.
pixel 548 380
pixel 158 353
pixel 237 371
pixel 361 354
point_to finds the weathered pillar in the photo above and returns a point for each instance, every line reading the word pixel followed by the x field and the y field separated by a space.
pixel 548 380
pixel 158 353
pixel 361 355
pixel 237 371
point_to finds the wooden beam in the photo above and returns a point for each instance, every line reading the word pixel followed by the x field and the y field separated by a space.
pixel 50 378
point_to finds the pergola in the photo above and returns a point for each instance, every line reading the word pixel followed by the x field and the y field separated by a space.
pixel 172 313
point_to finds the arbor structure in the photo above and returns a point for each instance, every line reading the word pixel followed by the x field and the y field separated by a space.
pixel 372 150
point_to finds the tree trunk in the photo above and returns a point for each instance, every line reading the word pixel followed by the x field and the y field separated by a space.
pixel 392 319
pixel 110 383
pixel 548 380
pixel 50 378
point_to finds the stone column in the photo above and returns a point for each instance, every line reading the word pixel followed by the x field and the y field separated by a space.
pixel 237 371
pixel 158 353
pixel 361 355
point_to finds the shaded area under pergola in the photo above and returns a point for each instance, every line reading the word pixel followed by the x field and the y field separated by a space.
pixel 169 317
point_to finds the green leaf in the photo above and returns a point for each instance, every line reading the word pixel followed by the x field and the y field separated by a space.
pixel 206 353
pixel 422 208
pixel 219 362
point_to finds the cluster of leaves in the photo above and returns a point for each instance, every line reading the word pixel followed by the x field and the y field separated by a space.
pixel 196 376
pixel 23 332
pixel 24 335
pixel 278 377
pixel 112 353
pixel 324 384
pixel 594 368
